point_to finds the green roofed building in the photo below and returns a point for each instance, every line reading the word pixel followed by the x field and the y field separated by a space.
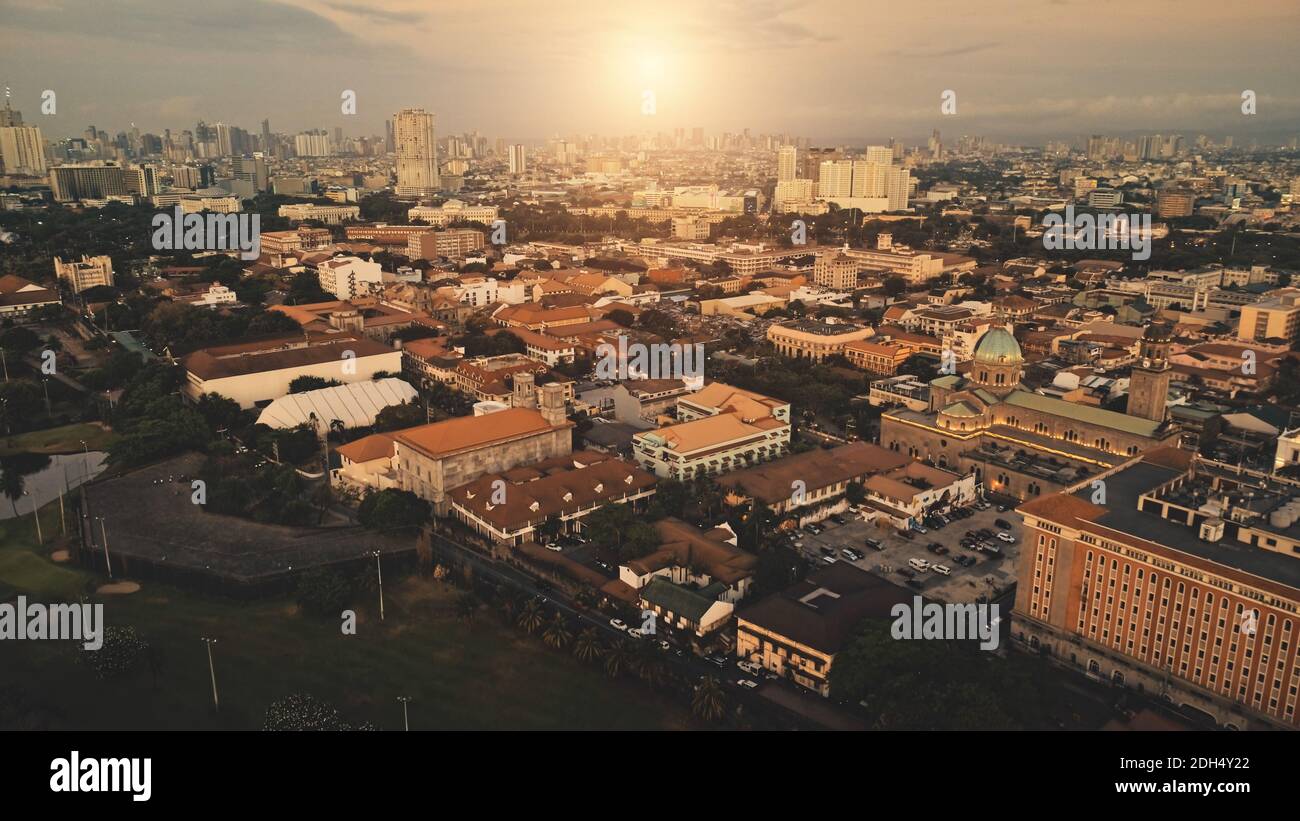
pixel 1020 443
pixel 682 607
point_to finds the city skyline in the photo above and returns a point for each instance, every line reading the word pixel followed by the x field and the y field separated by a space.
pixel 772 67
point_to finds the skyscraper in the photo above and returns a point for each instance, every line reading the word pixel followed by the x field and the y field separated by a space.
pixel 22 150
pixel 785 163
pixel 417 153
pixel 518 160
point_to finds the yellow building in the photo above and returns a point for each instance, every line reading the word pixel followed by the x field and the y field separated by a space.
pixel 1275 318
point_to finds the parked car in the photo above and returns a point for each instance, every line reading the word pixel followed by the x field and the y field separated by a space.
pixel 663 645
pixel 827 551
pixel 746 683
pixel 1002 523
pixel 718 660
pixel 919 564
pixel 992 548
pixel 1007 537
pixel 875 544
pixel 850 554
pixel 617 624
pixel 837 519
pixel 556 546
pixel 921 530
pixel 829 559
pixel 906 572
pixel 749 667
pixel 942 570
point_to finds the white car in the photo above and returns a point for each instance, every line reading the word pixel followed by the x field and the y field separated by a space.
pixel 617 624
pixel 746 683
pixel 1007 537
pixel 556 546
pixel 749 667
pixel 634 633
pixel 829 559
pixel 942 570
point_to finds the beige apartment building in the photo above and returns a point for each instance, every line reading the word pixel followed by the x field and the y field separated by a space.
pixel 1277 317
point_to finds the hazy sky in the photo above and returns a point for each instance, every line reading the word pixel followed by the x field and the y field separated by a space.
pixel 835 70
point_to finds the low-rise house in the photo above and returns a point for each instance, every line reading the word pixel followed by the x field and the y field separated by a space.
pixel 798 632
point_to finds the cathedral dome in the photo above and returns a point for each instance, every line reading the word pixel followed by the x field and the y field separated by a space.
pixel 998 347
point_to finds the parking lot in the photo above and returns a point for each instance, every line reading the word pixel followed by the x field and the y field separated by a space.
pixel 988 577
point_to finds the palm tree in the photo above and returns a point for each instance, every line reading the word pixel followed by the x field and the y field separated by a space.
pixel 557 634
pixel 648 665
pixel 709 702
pixel 587 645
pixel 530 618
pixel 617 657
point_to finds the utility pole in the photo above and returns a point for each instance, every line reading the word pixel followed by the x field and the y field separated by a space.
pixel 212 671
pixel 5 362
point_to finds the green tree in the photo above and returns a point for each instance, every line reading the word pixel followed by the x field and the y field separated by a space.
pixel 397 417
pixel 302 384
pixel 393 510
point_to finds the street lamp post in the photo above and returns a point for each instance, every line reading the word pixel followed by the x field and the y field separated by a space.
pixel 406 721
pixel 379 570
pixel 212 671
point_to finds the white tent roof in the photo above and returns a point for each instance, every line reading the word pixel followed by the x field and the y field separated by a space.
pixel 355 404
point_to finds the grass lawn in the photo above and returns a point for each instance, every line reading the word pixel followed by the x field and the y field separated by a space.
pixel 459 675
pixel 65 439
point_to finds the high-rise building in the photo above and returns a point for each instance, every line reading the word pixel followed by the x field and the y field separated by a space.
pixel 22 150
pixel 79 182
pixel 898 188
pixel 9 117
pixel 786 165
pixel 251 170
pixel 417 153
pixel 518 160
pixel 1174 202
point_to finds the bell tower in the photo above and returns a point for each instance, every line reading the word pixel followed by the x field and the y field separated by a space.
pixel 1148 387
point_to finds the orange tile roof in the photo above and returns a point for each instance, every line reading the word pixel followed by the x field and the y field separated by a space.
pixel 469 432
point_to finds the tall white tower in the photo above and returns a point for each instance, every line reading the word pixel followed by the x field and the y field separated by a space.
pixel 417 153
